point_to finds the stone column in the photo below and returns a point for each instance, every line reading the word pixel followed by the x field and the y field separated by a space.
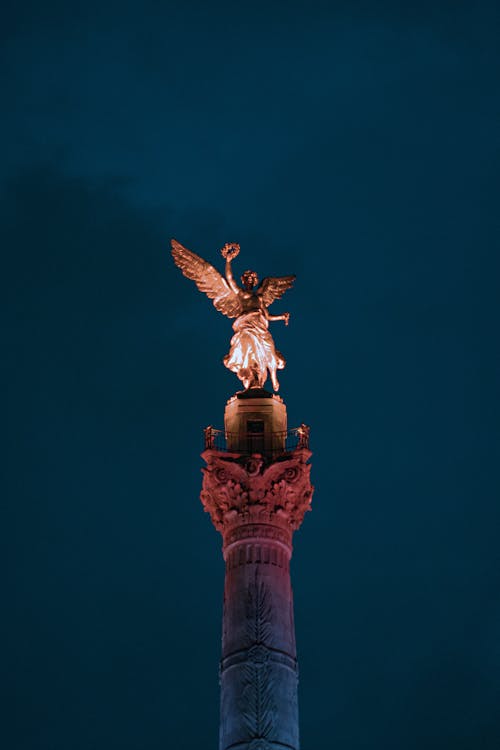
pixel 257 501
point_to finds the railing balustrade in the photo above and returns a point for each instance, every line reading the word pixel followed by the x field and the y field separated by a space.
pixel 255 442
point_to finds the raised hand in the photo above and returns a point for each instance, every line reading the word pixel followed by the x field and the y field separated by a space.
pixel 230 250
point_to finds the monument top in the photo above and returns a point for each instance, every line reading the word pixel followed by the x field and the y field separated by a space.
pixel 252 354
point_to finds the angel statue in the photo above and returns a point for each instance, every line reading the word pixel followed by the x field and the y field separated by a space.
pixel 252 354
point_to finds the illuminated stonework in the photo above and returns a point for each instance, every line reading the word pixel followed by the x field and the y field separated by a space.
pixel 247 491
pixel 257 500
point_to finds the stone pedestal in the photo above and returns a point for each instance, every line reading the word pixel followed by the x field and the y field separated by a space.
pixel 255 423
pixel 256 499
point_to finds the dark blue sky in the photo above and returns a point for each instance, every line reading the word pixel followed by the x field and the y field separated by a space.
pixel 356 145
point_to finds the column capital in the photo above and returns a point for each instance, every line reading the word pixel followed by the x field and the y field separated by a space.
pixel 246 490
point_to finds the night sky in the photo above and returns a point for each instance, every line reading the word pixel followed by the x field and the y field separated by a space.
pixel 355 145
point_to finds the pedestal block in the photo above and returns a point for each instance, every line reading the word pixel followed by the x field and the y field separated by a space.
pixel 257 501
pixel 255 423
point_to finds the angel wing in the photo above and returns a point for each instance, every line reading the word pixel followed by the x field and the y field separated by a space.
pixel 272 288
pixel 207 279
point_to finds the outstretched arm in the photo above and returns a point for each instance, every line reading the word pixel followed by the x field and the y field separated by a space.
pixel 230 251
pixel 285 317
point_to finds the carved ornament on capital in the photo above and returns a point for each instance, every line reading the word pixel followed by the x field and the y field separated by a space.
pixel 247 491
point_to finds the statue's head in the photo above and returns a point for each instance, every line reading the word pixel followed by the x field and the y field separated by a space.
pixel 249 279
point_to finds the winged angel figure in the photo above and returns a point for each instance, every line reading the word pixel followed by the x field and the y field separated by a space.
pixel 252 354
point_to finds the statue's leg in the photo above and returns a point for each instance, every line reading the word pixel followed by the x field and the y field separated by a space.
pixel 256 376
pixel 274 379
pixel 245 375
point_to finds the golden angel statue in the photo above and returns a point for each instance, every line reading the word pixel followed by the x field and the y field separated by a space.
pixel 252 354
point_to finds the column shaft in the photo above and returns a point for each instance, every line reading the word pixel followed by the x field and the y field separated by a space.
pixel 259 666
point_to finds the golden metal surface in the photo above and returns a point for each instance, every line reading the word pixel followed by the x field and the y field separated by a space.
pixel 252 354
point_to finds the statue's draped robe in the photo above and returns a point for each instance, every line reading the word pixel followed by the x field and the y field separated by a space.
pixel 252 349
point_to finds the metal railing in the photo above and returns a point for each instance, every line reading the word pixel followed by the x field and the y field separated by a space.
pixel 256 442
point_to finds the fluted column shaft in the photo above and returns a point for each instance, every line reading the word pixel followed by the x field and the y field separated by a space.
pixel 259 663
